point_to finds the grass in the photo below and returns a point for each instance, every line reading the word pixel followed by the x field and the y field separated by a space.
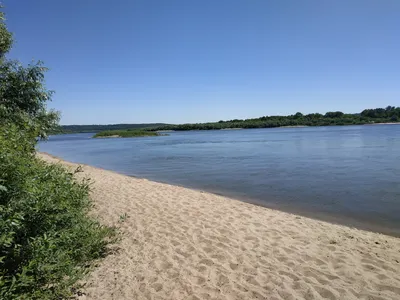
pixel 126 133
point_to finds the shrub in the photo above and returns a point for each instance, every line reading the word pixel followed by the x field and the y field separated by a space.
pixel 47 240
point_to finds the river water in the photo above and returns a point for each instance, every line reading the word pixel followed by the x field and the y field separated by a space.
pixel 348 174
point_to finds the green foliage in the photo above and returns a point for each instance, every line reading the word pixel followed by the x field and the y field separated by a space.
pixel 123 218
pixel 98 128
pixel 47 240
pixel 126 133
pixel 5 37
pixel 23 98
pixel 368 116
pixel 23 95
pixel 46 237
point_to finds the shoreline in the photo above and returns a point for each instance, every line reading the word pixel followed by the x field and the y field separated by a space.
pixel 346 221
pixel 180 243
pixel 389 123
pixel 289 126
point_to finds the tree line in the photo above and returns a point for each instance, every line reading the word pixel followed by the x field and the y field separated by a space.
pixel 98 128
pixel 368 116
pixel 390 114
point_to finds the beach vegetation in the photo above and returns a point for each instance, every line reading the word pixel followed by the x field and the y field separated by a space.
pixel 47 240
pixel 123 217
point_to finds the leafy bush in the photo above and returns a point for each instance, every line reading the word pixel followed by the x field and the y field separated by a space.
pixel 47 240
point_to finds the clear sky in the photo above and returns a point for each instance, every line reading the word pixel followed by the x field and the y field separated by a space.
pixel 177 61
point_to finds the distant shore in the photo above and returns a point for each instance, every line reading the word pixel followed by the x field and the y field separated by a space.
pixel 179 243
pixel 108 137
pixel 389 123
pixel 296 126
pixel 231 128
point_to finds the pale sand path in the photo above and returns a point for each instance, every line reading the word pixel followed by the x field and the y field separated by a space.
pixel 184 244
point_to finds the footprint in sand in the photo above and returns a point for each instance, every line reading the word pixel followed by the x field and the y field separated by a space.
pixel 207 262
pixel 233 266
pixel 157 287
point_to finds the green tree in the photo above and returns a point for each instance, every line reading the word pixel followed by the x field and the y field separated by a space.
pixel 298 115
pixel 24 97
pixel 334 114
pixel 5 37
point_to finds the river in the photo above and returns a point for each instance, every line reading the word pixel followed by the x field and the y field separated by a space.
pixel 344 174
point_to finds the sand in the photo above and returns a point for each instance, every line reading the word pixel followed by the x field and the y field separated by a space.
pixel 179 243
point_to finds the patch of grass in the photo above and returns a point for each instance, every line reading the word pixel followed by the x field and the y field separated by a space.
pixel 123 218
pixel 126 133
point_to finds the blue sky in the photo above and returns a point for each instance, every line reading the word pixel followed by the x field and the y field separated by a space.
pixel 180 61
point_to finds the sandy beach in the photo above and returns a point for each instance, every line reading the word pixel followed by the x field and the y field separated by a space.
pixel 178 243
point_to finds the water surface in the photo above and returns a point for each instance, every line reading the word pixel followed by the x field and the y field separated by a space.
pixel 348 174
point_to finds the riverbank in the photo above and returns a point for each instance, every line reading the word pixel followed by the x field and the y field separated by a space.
pixel 389 123
pixel 179 243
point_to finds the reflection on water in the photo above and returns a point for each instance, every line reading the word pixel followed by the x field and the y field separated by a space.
pixel 348 174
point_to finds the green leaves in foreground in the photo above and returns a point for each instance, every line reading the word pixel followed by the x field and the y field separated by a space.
pixel 47 240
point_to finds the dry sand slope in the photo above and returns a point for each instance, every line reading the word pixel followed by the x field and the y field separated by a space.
pixel 184 244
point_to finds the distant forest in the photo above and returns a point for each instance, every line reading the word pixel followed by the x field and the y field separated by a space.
pixel 390 114
pixel 98 128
